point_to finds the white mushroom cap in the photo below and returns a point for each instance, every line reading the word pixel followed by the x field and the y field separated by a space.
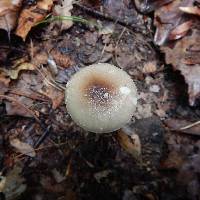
pixel 101 98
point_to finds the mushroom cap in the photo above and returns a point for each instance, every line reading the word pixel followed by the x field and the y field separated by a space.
pixel 101 98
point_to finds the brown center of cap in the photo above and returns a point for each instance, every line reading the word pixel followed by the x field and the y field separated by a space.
pixel 99 91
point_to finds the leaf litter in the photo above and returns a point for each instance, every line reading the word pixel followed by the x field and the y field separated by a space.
pixel 33 88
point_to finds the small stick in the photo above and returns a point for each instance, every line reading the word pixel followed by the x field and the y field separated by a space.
pixel 107 17
pixel 190 125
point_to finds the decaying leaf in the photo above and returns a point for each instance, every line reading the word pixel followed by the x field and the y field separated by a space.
pixel 22 147
pixel 14 185
pixel 23 93
pixel 64 9
pixel 185 57
pixel 170 18
pixel 13 73
pixel 30 16
pixel 181 30
pixel 191 10
pixel 131 144
pixel 9 11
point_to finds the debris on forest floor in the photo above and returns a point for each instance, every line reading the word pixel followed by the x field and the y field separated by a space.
pixel 62 161
pixel 13 186
pixel 178 34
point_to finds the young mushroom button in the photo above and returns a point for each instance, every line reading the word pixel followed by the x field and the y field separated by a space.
pixel 101 98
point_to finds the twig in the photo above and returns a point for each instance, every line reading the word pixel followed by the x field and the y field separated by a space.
pixel 190 125
pixel 34 97
pixel 107 17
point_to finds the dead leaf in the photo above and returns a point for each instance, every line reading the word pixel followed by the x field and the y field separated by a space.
pixel 185 57
pixel 13 73
pixel 64 9
pixel 191 10
pixel 131 144
pixel 22 147
pixel 181 30
pixel 9 10
pixel 30 16
pixel 61 59
pixel 168 18
pixel 24 92
pixel 13 108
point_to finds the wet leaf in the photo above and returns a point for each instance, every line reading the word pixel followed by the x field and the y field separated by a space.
pixel 30 16
pixel 22 147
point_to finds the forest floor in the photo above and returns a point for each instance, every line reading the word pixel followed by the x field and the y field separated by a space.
pixel 45 155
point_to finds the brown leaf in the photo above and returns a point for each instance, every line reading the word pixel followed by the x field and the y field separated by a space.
pixel 191 10
pixel 30 16
pixel 62 60
pixel 25 85
pixel 187 51
pixel 13 108
pixel 181 30
pixel 168 18
pixel 130 143
pixel 22 147
pixel 9 10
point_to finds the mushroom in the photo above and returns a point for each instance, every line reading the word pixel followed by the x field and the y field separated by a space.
pixel 101 98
